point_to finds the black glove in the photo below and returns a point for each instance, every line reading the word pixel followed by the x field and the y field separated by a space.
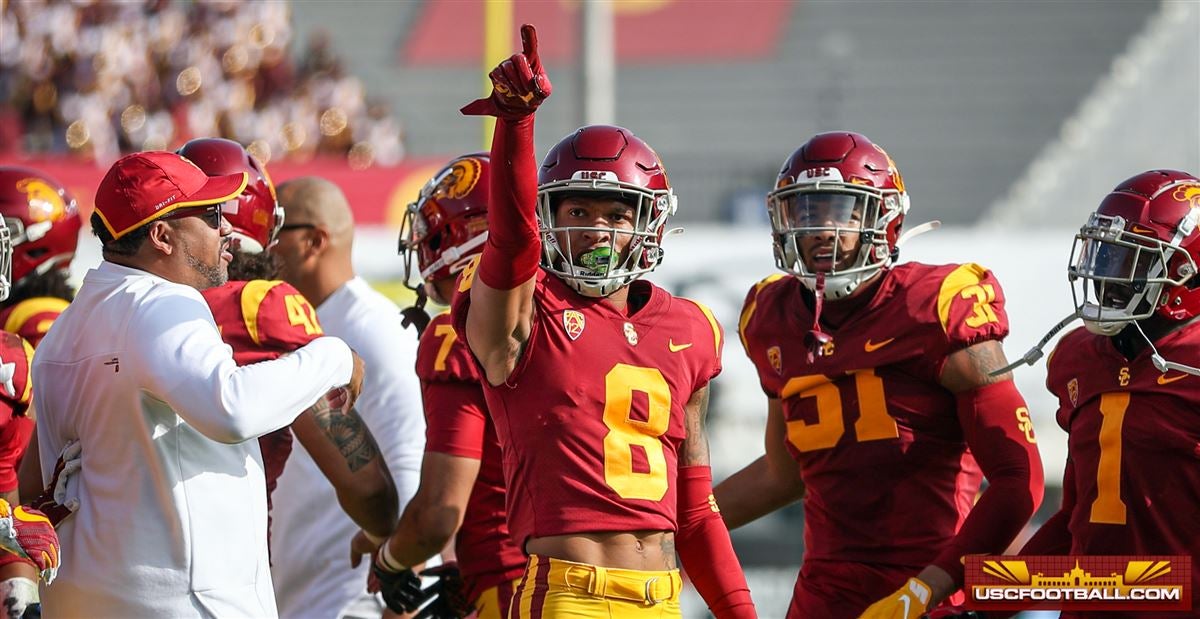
pixel 401 590
pixel 416 316
pixel 448 593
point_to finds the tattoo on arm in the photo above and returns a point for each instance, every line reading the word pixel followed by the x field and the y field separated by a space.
pixel 985 359
pixel 971 367
pixel 695 446
pixel 346 430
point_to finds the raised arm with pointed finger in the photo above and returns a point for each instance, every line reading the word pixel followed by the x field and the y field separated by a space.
pixel 503 294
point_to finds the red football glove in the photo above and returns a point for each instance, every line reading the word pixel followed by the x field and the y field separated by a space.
pixel 28 535
pixel 519 84
pixel 59 499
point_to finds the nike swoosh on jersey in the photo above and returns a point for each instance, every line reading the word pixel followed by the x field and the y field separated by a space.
pixel 872 347
pixel 1162 378
pixel 677 347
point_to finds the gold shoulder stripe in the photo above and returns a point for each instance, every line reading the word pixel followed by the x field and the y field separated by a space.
pixel 712 322
pixel 253 294
pixel 27 393
pixel 27 309
pixel 965 275
pixel 748 311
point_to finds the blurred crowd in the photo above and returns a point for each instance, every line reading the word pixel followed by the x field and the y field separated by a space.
pixel 98 79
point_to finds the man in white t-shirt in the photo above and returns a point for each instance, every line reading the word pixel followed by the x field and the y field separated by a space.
pixel 173 518
pixel 310 541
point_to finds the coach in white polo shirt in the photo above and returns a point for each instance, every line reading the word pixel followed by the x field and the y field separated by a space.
pixel 173 515
pixel 310 538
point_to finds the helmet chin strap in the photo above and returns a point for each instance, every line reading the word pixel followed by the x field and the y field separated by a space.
pixel 815 339
pixel 916 231
pixel 1161 364
pixel 1036 353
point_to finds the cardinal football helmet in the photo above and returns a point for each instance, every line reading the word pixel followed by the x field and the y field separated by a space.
pixel 43 222
pixel 838 184
pixel 1137 254
pixel 447 224
pixel 255 216
pixel 606 162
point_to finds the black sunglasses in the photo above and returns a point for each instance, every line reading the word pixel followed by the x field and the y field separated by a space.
pixel 210 215
pixel 285 227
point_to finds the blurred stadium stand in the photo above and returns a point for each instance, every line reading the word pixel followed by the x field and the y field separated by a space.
pixel 962 94
pixel 97 79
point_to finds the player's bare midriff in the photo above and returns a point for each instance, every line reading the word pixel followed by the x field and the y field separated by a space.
pixel 631 550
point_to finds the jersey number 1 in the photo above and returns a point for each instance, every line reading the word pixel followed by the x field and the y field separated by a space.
pixel 625 434
pixel 1108 508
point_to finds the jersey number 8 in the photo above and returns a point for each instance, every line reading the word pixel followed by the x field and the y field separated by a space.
pixel 626 433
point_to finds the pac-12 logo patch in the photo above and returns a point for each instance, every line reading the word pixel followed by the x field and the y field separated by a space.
pixel 775 358
pixel 573 323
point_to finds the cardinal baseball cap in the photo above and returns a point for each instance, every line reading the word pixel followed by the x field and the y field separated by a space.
pixel 142 187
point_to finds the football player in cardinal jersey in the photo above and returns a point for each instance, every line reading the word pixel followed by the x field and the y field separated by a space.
pixel 43 229
pixel 1127 381
pixel 263 318
pixel 606 461
pixel 43 225
pixel 878 387
pixel 461 476
pixel 31 545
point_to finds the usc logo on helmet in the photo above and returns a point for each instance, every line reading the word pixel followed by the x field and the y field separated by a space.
pixel 1188 193
pixel 464 174
pixel 893 171
pixel 45 204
